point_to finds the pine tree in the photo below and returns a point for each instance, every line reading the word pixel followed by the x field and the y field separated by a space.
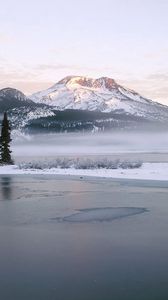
pixel 5 139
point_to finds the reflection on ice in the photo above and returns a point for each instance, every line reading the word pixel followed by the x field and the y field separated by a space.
pixel 6 188
pixel 103 214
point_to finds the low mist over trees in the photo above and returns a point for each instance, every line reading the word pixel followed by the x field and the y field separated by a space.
pixel 5 140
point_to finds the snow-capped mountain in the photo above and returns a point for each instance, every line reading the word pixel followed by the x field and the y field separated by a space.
pixel 81 104
pixel 102 94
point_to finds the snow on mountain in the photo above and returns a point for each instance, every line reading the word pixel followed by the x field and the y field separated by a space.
pixel 12 93
pixel 28 114
pixel 11 98
pixel 102 94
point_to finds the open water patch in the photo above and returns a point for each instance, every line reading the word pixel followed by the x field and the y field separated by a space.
pixel 102 214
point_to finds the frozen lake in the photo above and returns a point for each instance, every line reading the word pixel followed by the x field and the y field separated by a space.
pixel 83 238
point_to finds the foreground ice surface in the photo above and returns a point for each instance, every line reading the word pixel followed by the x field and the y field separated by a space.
pixel 103 214
pixel 148 171
pixel 124 259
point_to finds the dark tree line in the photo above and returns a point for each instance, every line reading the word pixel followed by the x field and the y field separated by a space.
pixel 5 140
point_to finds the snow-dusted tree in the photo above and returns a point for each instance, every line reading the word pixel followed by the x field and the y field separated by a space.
pixel 5 140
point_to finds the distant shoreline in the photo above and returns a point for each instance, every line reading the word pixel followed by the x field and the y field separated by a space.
pixel 148 171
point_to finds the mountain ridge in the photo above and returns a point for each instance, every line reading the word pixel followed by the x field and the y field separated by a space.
pixel 78 103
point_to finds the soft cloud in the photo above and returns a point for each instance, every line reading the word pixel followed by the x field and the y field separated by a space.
pixel 30 87
pixel 153 55
pixel 5 38
pixel 153 86
pixel 159 76
pixel 44 67
pixel 81 68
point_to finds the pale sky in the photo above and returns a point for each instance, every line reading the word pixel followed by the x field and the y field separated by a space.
pixel 42 41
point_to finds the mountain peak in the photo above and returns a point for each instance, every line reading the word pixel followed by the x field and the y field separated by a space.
pixel 66 79
pixel 99 83
pixel 106 82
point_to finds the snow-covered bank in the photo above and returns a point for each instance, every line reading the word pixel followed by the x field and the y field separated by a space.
pixel 148 171
pixel 81 163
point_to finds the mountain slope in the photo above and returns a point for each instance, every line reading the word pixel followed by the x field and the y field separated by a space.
pixel 103 94
pixel 21 109
pixel 11 98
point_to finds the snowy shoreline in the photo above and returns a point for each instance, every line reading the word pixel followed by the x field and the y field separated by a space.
pixel 148 171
